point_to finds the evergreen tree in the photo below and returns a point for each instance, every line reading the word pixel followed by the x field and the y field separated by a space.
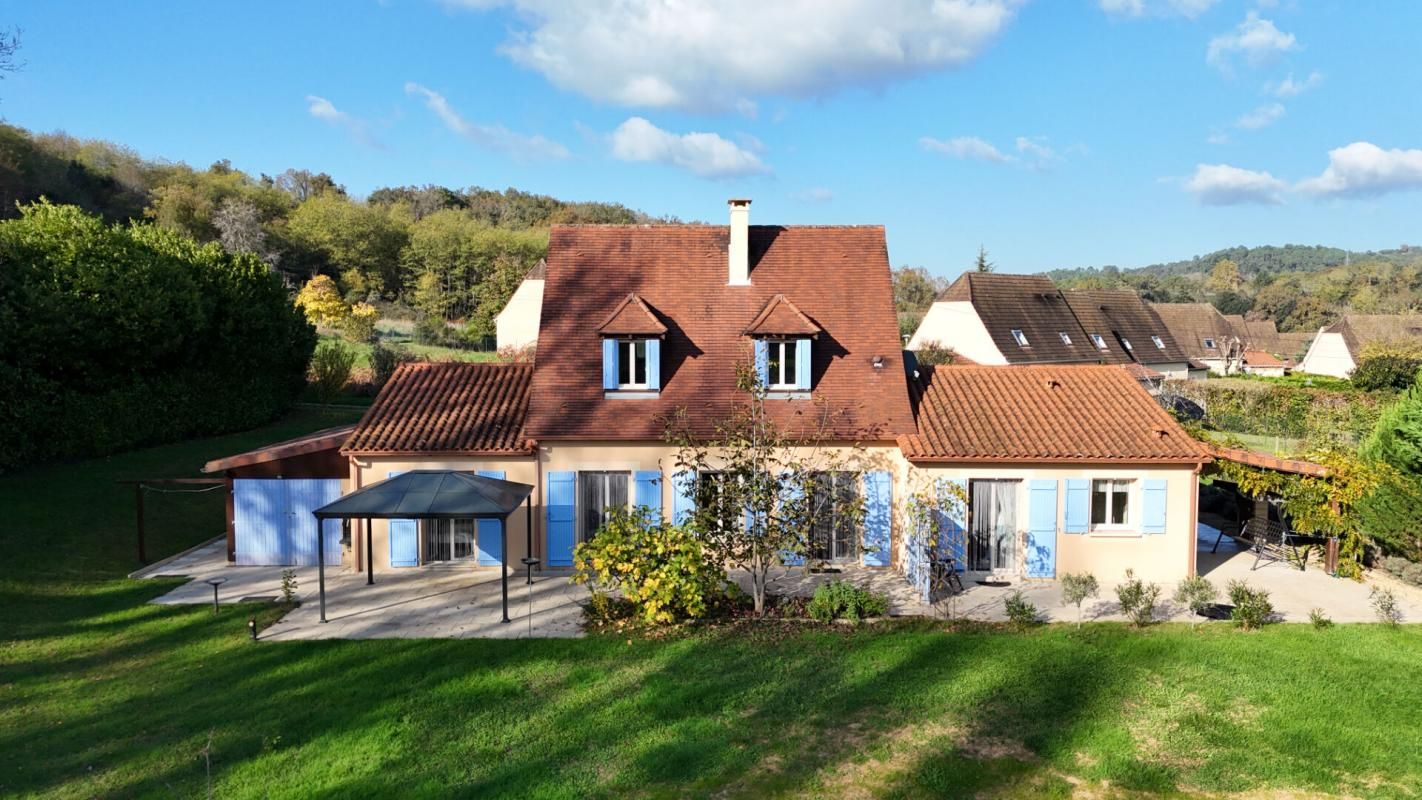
pixel 982 264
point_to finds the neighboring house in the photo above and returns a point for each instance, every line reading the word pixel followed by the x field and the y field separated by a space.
pixel 1264 336
pixel 1121 316
pixel 517 324
pixel 645 323
pixel 1066 469
pixel 1337 347
pixel 1203 334
pixel 1259 362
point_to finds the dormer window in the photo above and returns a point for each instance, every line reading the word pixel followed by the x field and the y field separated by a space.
pixel 1099 341
pixel 1209 343
pixel 1159 342
pixel 632 350
pixel 1126 343
pixel 782 333
pixel 1066 338
pixel 1019 337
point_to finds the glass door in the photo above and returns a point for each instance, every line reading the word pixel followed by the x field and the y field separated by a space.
pixel 448 540
pixel 598 494
pixel 834 536
pixel 992 534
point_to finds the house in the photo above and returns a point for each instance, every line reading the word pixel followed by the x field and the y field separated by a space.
pixel 1203 334
pixel 1260 362
pixel 1337 347
pixel 1263 336
pixel 996 318
pixel 516 326
pixel 645 324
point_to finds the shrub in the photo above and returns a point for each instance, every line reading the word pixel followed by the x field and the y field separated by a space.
pixel 359 325
pixel 1076 588
pixel 844 600
pixel 1385 606
pixel 432 330
pixel 933 354
pixel 1020 611
pixel 663 570
pixel 1137 599
pixel 1318 619
pixel 288 587
pixel 384 360
pixel 518 355
pixel 1387 365
pixel 331 369
pixel 1197 594
pixel 1252 608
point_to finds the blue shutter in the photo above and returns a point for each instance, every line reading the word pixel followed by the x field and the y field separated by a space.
pixel 802 364
pixel 560 509
pixel 794 491
pixel 259 522
pixel 953 520
pixel 683 495
pixel 490 532
pixel 878 518
pixel 1078 505
pixel 303 496
pixel 404 535
pixel 654 364
pixel 1042 530
pixel 648 492
pixel 1153 507
pixel 609 364
pixel 762 361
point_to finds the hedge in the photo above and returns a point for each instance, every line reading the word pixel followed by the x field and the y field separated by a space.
pixel 1319 416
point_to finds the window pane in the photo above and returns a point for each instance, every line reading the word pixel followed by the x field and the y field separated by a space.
pixel 789 362
pixel 639 350
pixel 624 364
pixel 1098 502
pixel 1120 495
pixel 463 538
pixel 775 357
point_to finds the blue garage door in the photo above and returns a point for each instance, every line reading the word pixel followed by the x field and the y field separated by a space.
pixel 273 523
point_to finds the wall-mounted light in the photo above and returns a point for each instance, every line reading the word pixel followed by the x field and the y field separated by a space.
pixel 878 362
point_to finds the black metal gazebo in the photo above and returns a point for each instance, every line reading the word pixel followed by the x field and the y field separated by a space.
pixel 426 494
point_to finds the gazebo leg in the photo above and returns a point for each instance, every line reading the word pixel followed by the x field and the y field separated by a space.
pixel 321 565
pixel 504 565
pixel 369 556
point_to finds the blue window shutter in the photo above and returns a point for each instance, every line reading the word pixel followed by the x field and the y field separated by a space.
pixel 489 536
pixel 953 519
pixel 683 495
pixel 654 364
pixel 1041 552
pixel 259 522
pixel 794 492
pixel 560 509
pixel 1153 507
pixel 762 361
pixel 609 364
pixel 878 518
pixel 404 535
pixel 802 364
pixel 1078 505
pixel 648 492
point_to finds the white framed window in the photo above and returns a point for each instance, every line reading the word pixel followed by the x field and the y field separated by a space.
pixel 782 366
pixel 1209 343
pixel 1126 343
pixel 1066 338
pixel 1111 503
pixel 1159 342
pixel 1099 341
pixel 1020 337
pixel 632 364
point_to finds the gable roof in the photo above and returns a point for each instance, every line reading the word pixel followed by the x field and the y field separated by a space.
pixel 838 276
pixel 1033 305
pixel 1360 330
pixel 1191 323
pixel 1079 413
pixel 450 408
pixel 1121 316
pixel 780 317
pixel 632 317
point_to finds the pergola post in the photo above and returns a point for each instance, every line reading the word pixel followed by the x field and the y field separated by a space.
pixel 321 566
pixel 504 564
pixel 369 556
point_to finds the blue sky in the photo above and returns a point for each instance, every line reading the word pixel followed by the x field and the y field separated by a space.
pixel 1056 133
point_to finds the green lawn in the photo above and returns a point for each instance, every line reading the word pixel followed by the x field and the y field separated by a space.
pixel 104 695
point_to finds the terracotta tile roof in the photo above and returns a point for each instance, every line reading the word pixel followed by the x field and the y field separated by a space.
pixel 1259 358
pixel 315 442
pixel 447 408
pixel 780 317
pixel 1192 323
pixel 1077 413
pixel 632 317
pixel 1121 316
pixel 837 275
pixel 1033 305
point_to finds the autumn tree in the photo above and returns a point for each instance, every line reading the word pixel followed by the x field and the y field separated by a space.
pixel 1224 277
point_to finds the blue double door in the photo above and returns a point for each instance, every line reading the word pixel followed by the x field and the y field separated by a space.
pixel 273 524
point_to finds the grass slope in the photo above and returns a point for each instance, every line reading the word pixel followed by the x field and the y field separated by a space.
pixel 102 694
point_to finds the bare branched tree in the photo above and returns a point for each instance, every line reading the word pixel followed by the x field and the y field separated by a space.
pixel 239 228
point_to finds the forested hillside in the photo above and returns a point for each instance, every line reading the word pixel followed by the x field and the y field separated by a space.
pixel 1299 287
pixel 451 256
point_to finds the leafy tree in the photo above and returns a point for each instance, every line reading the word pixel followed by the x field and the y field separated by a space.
pixel 1197 594
pixel 1387 365
pixel 302 185
pixel 322 303
pixel 1224 277
pixel 1076 588
pixel 1232 303
pixel 1392 513
pixel 915 289
pixel 358 242
pixel 331 367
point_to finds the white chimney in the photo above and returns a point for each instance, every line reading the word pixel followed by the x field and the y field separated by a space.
pixel 738 251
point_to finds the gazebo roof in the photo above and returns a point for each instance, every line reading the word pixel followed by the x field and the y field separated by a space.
pixel 430 494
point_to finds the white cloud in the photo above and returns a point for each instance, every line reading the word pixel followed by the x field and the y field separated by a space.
pixel 814 194
pixel 1362 169
pixel 965 147
pixel 1261 117
pixel 706 155
pixel 1034 148
pixel 1136 9
pixel 721 56
pixel 1289 87
pixel 492 137
pixel 1224 185
pixel 1255 39
pixel 326 111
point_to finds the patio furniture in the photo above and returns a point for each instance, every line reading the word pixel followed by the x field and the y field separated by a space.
pixel 1271 541
pixel 942 573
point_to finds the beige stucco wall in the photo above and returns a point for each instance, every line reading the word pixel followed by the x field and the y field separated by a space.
pixel 956 325
pixel 1163 557
pixel 517 324
pixel 1328 355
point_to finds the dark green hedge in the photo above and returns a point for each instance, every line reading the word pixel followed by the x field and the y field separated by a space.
pixel 118 337
pixel 1280 408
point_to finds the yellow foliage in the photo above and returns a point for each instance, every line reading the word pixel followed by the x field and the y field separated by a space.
pixel 322 302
